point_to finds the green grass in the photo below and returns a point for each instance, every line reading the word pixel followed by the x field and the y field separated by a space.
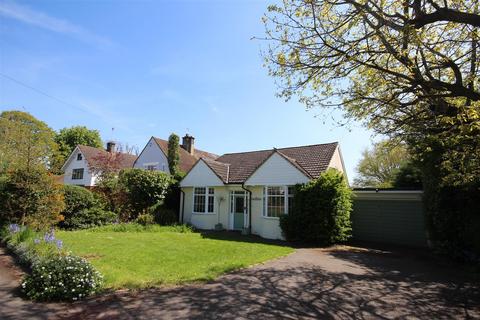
pixel 138 257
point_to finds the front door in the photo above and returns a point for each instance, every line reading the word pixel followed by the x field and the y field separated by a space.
pixel 238 211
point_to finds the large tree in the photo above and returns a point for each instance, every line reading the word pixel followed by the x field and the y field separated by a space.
pixel 403 66
pixel 173 154
pixel 380 165
pixel 25 142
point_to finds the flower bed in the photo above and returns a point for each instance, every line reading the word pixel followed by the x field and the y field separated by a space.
pixel 55 274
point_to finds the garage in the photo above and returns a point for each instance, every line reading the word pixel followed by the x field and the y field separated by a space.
pixel 389 216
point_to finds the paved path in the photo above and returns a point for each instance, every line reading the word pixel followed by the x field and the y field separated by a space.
pixel 338 283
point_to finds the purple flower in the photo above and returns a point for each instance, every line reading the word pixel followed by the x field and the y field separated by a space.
pixel 49 236
pixel 36 241
pixel 59 244
pixel 13 228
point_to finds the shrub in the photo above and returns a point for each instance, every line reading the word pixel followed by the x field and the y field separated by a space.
pixel 31 196
pixel 145 219
pixel 143 188
pixel 62 278
pixel 321 211
pixel 164 216
pixel 90 217
pixel 76 199
pixel 135 227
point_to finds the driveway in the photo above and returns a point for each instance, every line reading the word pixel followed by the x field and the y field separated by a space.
pixel 335 283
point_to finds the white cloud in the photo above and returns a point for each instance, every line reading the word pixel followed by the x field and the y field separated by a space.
pixel 44 21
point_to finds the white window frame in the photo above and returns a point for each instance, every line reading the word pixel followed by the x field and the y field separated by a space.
pixel 207 196
pixel 83 173
pixel 151 164
pixel 286 196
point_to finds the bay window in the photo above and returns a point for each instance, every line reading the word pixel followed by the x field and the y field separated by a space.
pixel 203 200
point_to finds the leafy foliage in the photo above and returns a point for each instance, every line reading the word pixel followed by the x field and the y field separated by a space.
pixel 379 166
pixel 26 142
pixel 409 175
pixel 164 216
pixel 32 197
pixel 145 219
pixel 84 209
pixel 67 278
pixel 321 211
pixel 68 138
pixel 173 154
pixel 143 188
pixel 90 217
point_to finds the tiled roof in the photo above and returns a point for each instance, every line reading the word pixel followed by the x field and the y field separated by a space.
pixel 186 159
pixel 311 160
pixel 92 155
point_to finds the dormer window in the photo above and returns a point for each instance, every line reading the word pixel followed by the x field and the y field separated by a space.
pixel 79 156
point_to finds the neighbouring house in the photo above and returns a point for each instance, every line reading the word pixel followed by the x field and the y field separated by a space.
pixel 78 169
pixel 154 155
pixel 248 191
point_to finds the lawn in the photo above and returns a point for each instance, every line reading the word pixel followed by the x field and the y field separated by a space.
pixel 164 255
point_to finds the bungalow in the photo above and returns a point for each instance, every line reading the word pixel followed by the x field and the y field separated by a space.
pixel 248 191
pixel 154 155
pixel 79 166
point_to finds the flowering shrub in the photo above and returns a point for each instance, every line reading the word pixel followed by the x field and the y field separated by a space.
pixel 55 275
pixel 62 278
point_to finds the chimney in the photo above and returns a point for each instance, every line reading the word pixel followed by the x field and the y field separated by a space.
pixel 111 146
pixel 187 143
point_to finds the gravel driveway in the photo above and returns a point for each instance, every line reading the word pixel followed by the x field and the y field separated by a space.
pixel 334 283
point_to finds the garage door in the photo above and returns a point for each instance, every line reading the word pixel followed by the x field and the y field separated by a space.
pixel 389 221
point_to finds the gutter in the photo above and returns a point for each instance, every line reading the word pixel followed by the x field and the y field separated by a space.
pixel 249 208
pixel 183 204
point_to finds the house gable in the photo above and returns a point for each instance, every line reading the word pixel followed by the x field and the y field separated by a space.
pixel 201 175
pixel 277 170
pixel 153 155
pixel 73 163
pixel 337 162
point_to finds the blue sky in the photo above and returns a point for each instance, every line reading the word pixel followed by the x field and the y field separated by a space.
pixel 154 67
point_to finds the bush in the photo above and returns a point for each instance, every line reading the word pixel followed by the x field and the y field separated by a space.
pixel 91 217
pixel 62 278
pixel 321 211
pixel 31 196
pixel 143 188
pixel 135 227
pixel 164 216
pixel 145 219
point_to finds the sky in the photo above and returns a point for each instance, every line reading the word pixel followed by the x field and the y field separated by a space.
pixel 136 69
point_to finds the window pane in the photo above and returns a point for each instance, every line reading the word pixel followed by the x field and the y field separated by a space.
pixel 210 203
pixel 211 191
pixel 200 190
pixel 291 190
pixel 199 203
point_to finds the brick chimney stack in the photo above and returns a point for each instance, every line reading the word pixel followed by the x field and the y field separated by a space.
pixel 188 143
pixel 111 146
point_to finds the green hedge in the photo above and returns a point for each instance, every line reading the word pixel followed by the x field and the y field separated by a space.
pixel 321 211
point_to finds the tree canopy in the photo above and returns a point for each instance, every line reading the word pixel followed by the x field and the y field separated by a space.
pixel 380 165
pixel 26 142
pixel 402 66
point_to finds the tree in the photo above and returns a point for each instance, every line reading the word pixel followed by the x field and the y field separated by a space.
pixel 380 165
pixel 404 67
pixel 408 175
pixel 26 142
pixel 31 196
pixel 173 154
pixel 68 138
pixel 408 69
